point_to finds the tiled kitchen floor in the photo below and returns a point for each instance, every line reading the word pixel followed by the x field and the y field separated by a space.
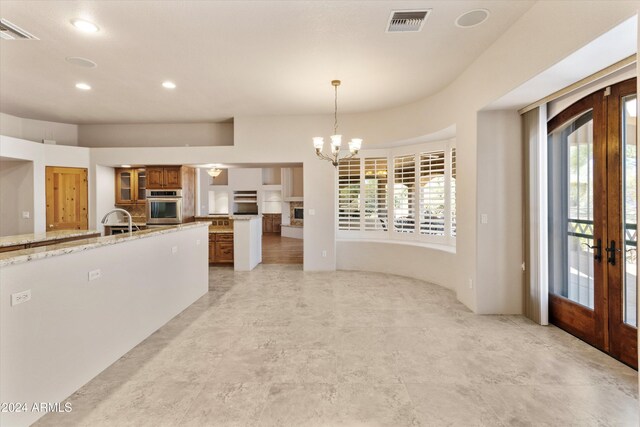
pixel 280 347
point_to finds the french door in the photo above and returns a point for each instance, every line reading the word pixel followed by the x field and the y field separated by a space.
pixel 593 220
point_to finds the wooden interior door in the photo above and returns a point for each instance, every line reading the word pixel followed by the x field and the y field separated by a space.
pixel 67 198
pixel 593 220
pixel 622 222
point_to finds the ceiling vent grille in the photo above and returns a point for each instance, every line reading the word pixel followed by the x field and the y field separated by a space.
pixel 407 21
pixel 10 31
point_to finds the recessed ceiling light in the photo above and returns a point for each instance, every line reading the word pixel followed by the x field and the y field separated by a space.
pixel 472 18
pixel 81 62
pixel 83 86
pixel 169 85
pixel 86 26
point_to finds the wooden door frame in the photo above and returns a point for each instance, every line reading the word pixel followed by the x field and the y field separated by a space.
pixel 624 338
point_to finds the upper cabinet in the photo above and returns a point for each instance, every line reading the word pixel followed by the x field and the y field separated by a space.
pixel 159 177
pixel 131 185
pixel 292 184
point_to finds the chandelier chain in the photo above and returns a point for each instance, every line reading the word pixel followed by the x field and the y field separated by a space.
pixel 335 112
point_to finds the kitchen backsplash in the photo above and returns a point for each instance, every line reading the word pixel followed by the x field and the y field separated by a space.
pixel 138 212
pixel 292 206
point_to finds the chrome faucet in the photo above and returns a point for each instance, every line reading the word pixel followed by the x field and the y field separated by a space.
pixel 104 219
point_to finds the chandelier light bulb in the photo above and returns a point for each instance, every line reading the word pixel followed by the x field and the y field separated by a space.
pixel 336 140
pixel 355 144
pixel 318 142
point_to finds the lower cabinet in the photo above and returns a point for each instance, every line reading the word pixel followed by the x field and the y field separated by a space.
pixel 271 223
pixel 221 248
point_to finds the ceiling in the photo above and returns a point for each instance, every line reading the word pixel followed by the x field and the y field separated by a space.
pixel 231 58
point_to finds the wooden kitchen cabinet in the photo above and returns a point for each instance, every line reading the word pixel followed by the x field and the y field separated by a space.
pixel 159 177
pixel 131 186
pixel 221 248
pixel 271 223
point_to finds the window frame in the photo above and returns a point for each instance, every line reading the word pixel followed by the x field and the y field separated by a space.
pixel 390 234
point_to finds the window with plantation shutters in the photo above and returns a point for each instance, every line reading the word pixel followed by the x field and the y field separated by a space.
pixel 375 194
pixel 453 192
pixel 432 183
pixel 404 180
pixel 399 194
pixel 349 195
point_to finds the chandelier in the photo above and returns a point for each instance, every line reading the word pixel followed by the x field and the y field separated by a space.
pixel 214 172
pixel 336 140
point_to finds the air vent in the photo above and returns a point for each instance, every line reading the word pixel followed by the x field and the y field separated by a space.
pixel 407 21
pixel 10 31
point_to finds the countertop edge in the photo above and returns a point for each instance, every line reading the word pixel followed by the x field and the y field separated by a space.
pixel 22 239
pixel 33 254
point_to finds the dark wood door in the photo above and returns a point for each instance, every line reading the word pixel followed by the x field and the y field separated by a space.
pixel 155 177
pixel 593 220
pixel 67 198
pixel 172 177
pixel 622 221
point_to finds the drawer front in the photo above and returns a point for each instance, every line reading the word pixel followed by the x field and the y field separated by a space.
pixel 226 237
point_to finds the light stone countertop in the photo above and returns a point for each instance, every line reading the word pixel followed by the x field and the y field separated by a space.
pixel 245 217
pixel 26 255
pixel 24 239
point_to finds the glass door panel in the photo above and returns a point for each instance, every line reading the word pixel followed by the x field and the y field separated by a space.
pixel 571 233
pixel 629 200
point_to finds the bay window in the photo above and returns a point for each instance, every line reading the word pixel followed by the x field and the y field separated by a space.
pixel 405 194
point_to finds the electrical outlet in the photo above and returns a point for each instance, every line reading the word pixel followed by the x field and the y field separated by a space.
pixel 174 249
pixel 312 212
pixel 470 283
pixel 26 214
pixel 95 274
pixel 324 254
pixel 20 297
pixel 198 242
pixel 484 219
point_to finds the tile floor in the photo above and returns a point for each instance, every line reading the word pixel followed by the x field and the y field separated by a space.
pixel 280 347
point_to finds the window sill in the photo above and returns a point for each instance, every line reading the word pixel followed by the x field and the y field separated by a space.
pixel 434 246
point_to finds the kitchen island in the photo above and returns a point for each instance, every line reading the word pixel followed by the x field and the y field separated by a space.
pixel 85 304
pixel 247 242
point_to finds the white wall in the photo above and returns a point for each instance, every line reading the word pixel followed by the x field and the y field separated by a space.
pixel 37 130
pixel 499 194
pixel 155 135
pixel 71 329
pixel 42 156
pixel 105 200
pixel 432 265
pixel 16 193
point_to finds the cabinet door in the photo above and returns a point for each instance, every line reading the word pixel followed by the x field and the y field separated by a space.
pixel 141 185
pixel 172 177
pixel 277 223
pixel 155 178
pixel 212 251
pixel 224 252
pixel 125 186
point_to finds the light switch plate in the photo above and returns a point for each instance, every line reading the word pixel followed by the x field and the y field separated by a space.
pixel 484 219
pixel 174 249
pixel 26 214
pixel 312 211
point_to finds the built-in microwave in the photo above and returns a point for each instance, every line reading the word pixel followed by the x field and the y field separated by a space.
pixel 164 207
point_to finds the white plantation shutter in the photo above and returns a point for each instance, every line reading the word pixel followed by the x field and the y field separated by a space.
pixel 453 192
pixel 404 177
pixel 375 194
pixel 349 195
pixel 432 193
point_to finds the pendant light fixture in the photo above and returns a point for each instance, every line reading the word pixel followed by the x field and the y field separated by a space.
pixel 214 172
pixel 336 140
